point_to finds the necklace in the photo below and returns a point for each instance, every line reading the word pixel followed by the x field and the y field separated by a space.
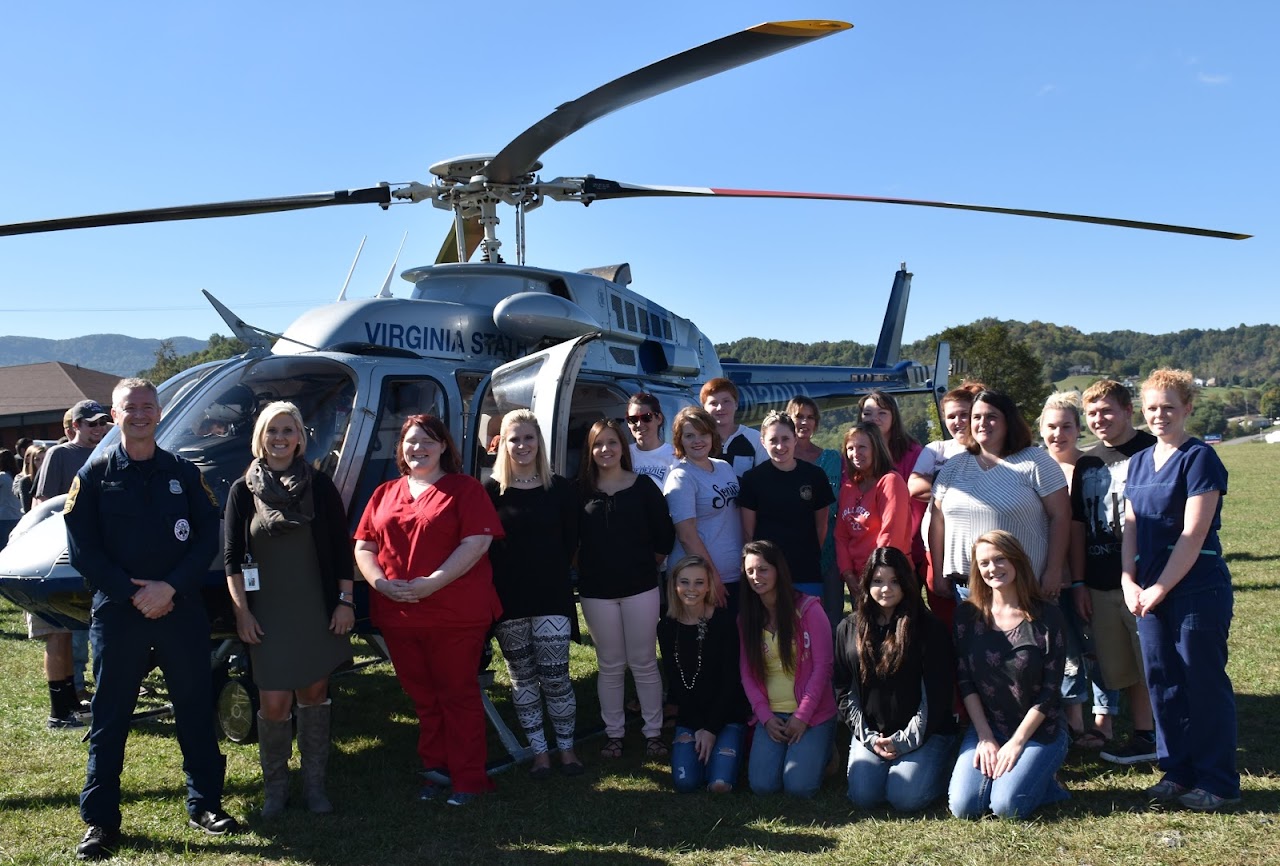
pixel 525 482
pixel 702 635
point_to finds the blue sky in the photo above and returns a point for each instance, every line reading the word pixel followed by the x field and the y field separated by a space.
pixel 1163 111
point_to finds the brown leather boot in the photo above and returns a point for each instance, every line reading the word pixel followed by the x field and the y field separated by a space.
pixel 275 747
pixel 313 745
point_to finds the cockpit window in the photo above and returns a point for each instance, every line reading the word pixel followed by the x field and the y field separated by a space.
pixel 214 428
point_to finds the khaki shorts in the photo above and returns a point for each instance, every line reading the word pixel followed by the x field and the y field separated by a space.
pixel 37 627
pixel 1115 640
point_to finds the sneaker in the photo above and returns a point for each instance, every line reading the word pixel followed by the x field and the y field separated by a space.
pixel 215 823
pixel 430 792
pixel 70 720
pixel 1200 800
pixel 1134 750
pixel 459 798
pixel 1165 790
pixel 98 843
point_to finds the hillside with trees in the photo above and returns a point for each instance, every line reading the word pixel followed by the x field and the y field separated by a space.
pixel 1026 358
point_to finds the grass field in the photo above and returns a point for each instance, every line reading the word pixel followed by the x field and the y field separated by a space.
pixel 623 812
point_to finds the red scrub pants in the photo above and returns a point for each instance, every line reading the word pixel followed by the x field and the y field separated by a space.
pixel 438 668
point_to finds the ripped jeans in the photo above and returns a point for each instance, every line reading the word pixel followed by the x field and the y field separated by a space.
pixel 688 774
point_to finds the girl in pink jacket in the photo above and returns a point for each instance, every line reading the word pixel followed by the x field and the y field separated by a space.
pixel 786 663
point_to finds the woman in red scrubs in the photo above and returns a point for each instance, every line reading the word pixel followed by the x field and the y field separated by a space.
pixel 422 544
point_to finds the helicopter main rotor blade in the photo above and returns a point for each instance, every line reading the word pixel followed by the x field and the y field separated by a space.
pixel 518 158
pixel 380 195
pixel 594 189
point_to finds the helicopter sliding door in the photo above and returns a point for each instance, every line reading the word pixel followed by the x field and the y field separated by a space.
pixel 544 383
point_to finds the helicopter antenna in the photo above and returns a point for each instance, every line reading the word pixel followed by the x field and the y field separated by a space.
pixel 342 295
pixel 386 284
pixel 251 335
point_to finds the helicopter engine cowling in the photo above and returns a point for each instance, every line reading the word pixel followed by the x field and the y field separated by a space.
pixel 533 316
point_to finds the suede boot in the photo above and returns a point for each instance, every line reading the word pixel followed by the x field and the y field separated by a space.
pixel 275 747
pixel 313 746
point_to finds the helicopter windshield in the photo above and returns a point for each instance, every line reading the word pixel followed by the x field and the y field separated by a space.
pixel 214 428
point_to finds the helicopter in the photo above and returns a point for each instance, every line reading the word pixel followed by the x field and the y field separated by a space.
pixel 478 336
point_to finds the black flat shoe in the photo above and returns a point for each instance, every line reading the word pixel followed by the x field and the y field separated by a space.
pixel 540 773
pixel 217 823
pixel 573 768
pixel 98 843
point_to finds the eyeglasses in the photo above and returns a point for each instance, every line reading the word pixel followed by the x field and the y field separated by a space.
pixel 101 422
pixel 642 418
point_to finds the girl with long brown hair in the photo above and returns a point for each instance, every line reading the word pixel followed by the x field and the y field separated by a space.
pixel 1012 650
pixel 786 673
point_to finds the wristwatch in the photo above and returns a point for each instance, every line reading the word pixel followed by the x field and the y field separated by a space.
pixel 344 599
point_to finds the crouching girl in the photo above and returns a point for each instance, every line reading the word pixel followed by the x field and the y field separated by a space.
pixel 700 653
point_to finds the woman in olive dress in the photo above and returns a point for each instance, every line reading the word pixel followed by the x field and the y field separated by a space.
pixel 289 570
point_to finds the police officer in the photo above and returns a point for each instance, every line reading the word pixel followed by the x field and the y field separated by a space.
pixel 143 530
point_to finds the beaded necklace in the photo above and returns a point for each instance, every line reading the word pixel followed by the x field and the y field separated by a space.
pixel 702 635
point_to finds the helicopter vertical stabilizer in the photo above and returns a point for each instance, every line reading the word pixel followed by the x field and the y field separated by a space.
pixel 889 346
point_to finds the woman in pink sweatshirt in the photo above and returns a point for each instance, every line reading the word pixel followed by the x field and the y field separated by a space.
pixel 874 509
pixel 786 663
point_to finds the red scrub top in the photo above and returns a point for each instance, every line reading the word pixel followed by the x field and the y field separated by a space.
pixel 416 536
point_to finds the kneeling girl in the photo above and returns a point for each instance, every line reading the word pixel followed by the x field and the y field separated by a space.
pixel 1012 650
pixel 895 685
pixel 700 653
pixel 786 672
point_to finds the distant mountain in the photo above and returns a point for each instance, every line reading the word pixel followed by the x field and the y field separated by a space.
pixel 110 353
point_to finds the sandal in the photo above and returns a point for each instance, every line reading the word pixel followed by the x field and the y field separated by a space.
pixel 612 748
pixel 655 748
pixel 1089 739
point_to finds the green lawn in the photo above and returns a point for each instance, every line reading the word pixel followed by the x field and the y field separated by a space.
pixel 623 812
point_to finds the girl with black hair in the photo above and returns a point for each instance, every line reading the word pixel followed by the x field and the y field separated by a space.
pixel 895 684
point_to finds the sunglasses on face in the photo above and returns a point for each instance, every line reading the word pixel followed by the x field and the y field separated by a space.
pixel 101 422
pixel 642 418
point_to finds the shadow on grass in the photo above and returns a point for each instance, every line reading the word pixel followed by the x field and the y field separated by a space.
pixel 1255 585
pixel 1249 556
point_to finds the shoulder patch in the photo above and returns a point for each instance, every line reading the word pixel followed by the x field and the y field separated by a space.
pixel 71 495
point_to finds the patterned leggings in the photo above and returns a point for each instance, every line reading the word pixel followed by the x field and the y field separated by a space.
pixel 537 652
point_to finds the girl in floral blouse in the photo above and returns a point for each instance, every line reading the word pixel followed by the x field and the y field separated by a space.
pixel 1011 649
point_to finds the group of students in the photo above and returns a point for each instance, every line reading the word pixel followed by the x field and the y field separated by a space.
pixel 963 696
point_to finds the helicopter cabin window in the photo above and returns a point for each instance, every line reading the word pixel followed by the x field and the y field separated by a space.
pixel 401 397
pixel 619 318
pixel 213 425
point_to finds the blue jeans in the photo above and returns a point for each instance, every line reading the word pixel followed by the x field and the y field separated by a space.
pixel 688 774
pixel 1184 650
pixel 1016 794
pixel 1075 676
pixel 909 782
pixel 793 769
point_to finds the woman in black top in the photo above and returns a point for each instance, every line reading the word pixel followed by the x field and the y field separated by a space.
pixel 1011 648
pixel 700 654
pixel 895 683
pixel 539 513
pixel 624 533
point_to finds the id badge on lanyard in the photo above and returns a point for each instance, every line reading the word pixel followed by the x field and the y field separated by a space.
pixel 250 572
